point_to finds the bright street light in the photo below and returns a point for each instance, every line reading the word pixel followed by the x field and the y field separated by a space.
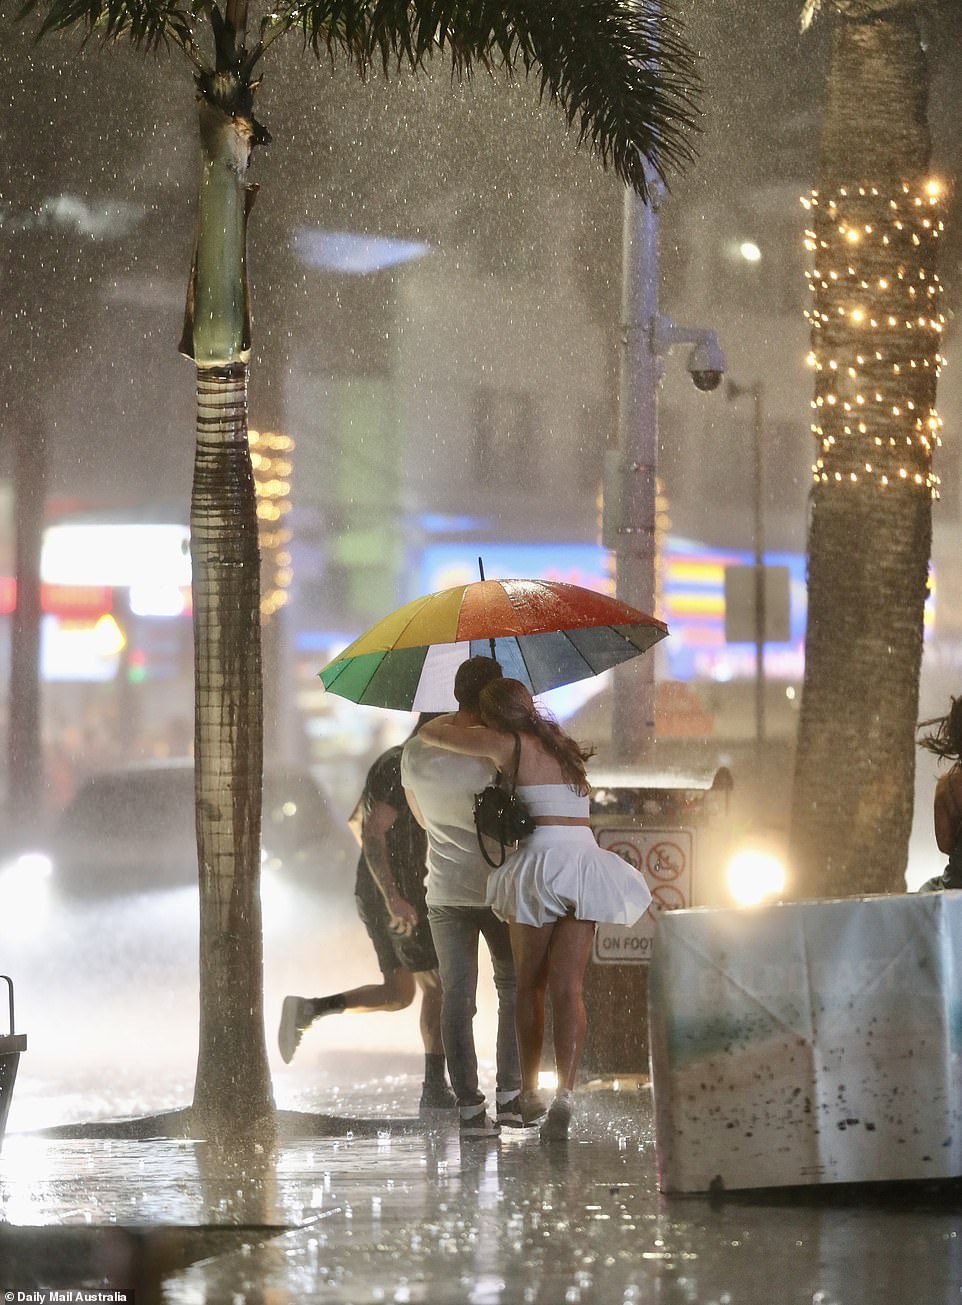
pixel 755 876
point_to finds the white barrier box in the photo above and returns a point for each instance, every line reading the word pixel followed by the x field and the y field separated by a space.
pixel 815 1042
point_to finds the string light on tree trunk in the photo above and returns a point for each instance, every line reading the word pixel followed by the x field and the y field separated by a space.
pixel 876 332
pixel 271 462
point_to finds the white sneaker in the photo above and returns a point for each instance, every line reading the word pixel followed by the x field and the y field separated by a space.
pixel 295 1018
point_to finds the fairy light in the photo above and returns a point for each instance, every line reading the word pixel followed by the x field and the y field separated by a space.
pixel 272 466
pixel 876 332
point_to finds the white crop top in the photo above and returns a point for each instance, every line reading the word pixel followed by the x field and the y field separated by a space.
pixel 553 800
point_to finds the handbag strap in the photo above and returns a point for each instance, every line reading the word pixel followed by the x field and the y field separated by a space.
pixel 496 865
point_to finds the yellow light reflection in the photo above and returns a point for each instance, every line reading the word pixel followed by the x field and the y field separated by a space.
pixel 109 637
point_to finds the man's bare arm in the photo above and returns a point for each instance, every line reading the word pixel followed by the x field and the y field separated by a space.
pixel 377 821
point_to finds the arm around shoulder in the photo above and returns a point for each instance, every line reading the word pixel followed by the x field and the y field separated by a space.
pixel 469 740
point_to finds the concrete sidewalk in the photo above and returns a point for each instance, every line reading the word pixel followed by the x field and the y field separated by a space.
pixel 408 1216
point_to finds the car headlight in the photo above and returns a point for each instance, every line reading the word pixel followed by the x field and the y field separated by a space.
pixel 25 887
pixel 28 868
pixel 755 875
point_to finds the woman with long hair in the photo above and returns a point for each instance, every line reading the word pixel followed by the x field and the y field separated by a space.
pixel 554 888
pixel 945 740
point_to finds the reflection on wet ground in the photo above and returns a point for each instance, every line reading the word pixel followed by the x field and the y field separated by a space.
pixel 402 1217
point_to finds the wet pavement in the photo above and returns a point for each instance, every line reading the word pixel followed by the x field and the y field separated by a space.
pixel 405 1215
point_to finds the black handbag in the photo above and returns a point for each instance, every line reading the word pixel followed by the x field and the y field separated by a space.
pixel 499 814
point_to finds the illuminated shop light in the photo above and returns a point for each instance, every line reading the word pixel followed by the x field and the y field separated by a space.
pixel 271 462
pixel 117 556
pixel 157 600
pixel 80 650
pixel 60 600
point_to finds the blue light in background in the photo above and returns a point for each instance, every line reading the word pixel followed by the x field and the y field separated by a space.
pixel 353 253
pixel 441 523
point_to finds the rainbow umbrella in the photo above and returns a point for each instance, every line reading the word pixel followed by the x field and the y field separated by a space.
pixel 543 632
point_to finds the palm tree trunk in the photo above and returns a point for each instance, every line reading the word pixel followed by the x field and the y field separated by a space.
pixel 232 1092
pixel 875 342
pixel 854 780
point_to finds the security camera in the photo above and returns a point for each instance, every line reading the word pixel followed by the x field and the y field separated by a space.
pixel 706 364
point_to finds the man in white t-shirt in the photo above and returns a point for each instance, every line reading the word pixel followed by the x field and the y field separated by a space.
pixel 440 787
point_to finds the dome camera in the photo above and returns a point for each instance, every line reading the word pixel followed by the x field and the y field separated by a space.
pixel 706 364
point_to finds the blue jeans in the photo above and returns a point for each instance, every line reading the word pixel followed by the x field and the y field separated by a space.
pixel 456 931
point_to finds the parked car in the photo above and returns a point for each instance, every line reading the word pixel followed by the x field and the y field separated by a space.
pixel 132 830
pixel 99 917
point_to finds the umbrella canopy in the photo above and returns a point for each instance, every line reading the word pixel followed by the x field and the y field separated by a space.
pixel 544 633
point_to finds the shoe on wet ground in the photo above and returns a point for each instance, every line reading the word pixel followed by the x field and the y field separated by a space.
pixel 478 1123
pixel 296 1016
pixel 521 1111
pixel 555 1126
pixel 436 1097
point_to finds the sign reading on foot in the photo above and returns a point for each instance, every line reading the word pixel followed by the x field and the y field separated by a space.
pixel 664 857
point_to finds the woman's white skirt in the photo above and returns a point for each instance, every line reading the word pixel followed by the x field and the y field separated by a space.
pixel 560 870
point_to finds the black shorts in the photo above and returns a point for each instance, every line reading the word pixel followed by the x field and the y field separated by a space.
pixel 414 951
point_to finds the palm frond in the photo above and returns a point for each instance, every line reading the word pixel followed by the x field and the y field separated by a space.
pixel 620 70
pixel 858 10
pixel 146 23
pixel 809 13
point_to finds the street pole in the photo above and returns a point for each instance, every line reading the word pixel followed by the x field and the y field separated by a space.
pixel 759 514
pixel 756 393
pixel 647 336
pixel 633 714
pixel 25 762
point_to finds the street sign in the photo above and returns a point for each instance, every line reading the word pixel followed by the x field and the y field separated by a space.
pixel 664 857
pixel 740 604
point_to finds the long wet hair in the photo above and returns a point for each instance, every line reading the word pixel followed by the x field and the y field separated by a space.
pixel 508 706
pixel 945 740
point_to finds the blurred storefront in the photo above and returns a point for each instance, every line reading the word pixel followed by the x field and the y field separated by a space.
pixel 115 647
